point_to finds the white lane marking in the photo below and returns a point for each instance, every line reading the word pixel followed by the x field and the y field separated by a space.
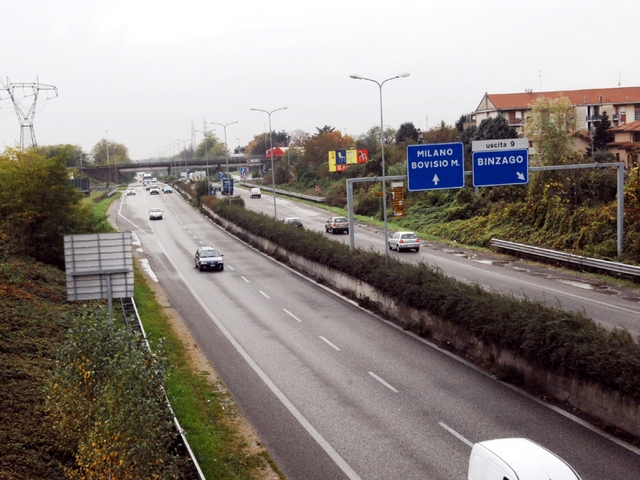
pixel 244 278
pixel 455 434
pixel 329 343
pixel 555 291
pixel 320 440
pixel 383 382
pixel 291 315
pixel 264 294
pixel 229 267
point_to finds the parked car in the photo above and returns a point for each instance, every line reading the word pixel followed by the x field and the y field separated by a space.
pixel 337 225
pixel 208 258
pixel 154 190
pixel 293 221
pixel 167 189
pixel 404 241
pixel 155 214
pixel 131 191
pixel 255 192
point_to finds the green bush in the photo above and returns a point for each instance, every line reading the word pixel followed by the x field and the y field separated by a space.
pixel 108 404
pixel 554 339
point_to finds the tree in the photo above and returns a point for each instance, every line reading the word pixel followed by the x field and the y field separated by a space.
pixel 210 147
pixel 443 133
pixel 552 126
pixel 73 155
pixel 602 135
pixel 38 205
pixel 407 133
pixel 315 156
pixel 465 118
pixel 107 153
pixel 325 129
pixel 298 138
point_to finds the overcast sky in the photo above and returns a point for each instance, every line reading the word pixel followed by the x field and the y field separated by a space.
pixel 141 72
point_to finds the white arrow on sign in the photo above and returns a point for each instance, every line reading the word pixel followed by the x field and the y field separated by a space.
pixel 436 179
pixel 520 176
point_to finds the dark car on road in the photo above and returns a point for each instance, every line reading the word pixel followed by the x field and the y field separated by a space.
pixel 296 222
pixel 208 258
pixel 337 225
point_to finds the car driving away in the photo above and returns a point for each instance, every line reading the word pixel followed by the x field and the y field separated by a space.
pixel 404 241
pixel 296 222
pixel 337 225
pixel 208 258
pixel 155 214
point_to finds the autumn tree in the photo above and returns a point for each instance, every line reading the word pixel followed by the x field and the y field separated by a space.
pixel 552 126
pixel 297 138
pixel 314 162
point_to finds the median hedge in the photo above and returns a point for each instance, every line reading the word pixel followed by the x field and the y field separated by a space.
pixel 567 342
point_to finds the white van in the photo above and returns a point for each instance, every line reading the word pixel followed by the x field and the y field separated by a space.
pixel 255 192
pixel 516 459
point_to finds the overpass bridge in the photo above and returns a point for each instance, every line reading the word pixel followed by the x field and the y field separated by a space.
pixel 113 173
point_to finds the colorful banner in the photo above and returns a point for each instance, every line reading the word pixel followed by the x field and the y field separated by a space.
pixel 339 160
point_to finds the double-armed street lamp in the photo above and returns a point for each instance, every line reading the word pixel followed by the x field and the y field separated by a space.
pixel 273 175
pixel 384 183
pixel 226 150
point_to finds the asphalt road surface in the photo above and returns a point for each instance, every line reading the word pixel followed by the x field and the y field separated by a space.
pixel 333 391
pixel 610 303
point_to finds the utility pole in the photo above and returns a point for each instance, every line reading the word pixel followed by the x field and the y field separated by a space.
pixel 26 118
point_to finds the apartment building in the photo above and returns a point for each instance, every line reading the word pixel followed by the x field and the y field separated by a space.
pixel 622 105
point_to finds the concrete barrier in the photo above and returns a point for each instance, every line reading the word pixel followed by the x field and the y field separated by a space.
pixel 600 403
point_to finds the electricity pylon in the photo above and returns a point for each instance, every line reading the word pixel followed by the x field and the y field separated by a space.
pixel 26 118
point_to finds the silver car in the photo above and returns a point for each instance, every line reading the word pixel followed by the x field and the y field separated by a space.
pixel 336 225
pixel 404 241
pixel 155 214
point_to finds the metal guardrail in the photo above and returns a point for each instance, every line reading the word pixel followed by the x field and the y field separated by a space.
pixel 132 318
pixel 616 268
pixel 268 189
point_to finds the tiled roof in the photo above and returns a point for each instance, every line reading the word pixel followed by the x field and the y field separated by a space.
pixel 618 95
pixel 627 127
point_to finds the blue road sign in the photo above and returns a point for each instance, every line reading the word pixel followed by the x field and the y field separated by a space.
pixel 492 168
pixel 435 166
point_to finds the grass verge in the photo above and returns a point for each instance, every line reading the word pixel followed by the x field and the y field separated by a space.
pixel 202 405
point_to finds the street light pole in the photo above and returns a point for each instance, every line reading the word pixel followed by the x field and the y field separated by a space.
pixel 273 175
pixel 226 151
pixel 184 149
pixel 384 182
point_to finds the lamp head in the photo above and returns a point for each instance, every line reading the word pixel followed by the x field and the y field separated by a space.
pixel 356 77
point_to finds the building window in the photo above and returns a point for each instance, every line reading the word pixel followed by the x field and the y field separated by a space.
pixel 637 112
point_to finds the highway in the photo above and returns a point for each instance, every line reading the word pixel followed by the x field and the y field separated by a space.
pixel 611 304
pixel 332 390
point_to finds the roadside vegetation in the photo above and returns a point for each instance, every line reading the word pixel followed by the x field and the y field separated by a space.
pixel 83 397
pixel 63 399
